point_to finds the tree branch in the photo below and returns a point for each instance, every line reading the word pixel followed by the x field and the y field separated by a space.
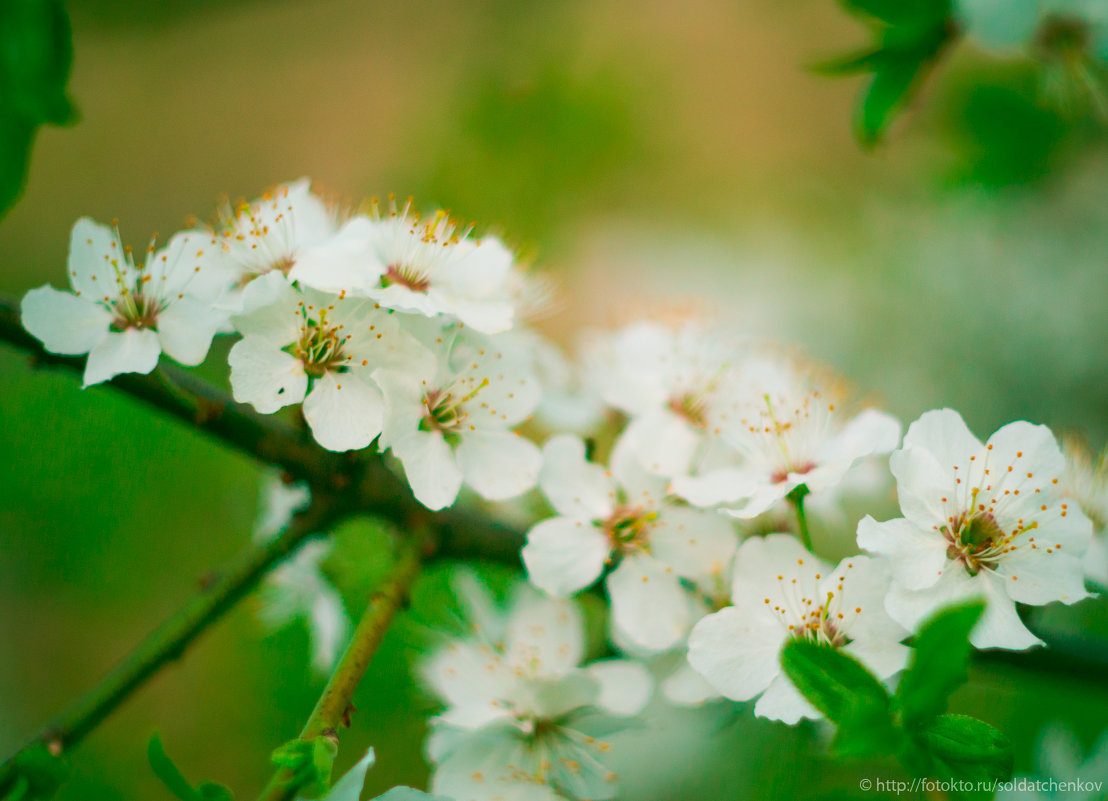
pixel 333 708
pixel 169 641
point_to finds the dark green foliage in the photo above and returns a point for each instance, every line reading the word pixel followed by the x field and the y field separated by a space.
pixel 35 55
pixel 910 725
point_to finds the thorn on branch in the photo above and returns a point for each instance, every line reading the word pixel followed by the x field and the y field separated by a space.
pixel 331 735
pixel 208 410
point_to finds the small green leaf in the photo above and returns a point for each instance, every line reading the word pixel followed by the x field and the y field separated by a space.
pixel 165 770
pixel 849 695
pixel 962 747
pixel 901 12
pixel 40 774
pixel 850 64
pixel 310 762
pixel 888 92
pixel 176 782
pixel 939 664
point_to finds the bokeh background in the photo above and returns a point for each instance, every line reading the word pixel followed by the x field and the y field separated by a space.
pixel 649 155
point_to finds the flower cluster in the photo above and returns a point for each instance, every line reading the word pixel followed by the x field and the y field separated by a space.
pixel 676 466
pixel 383 327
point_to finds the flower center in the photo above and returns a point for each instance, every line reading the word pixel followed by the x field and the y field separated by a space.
pixel 320 347
pixel 135 310
pixel 820 626
pixel 407 277
pixel 779 476
pixel 445 411
pixel 627 527
pixel 691 408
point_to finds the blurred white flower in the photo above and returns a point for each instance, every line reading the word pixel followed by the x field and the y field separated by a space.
pixel 789 433
pixel 297 588
pixel 624 512
pixel 293 339
pixel 1086 483
pixel 522 719
pixel 1063 771
pixel 430 267
pixel 270 234
pixel 781 591
pixel 123 314
pixel 452 420
pixel 983 521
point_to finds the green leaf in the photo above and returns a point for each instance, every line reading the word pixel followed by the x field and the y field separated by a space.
pixel 176 782
pixel 966 748
pixel 888 92
pixel 310 762
pixel 939 664
pixel 40 774
pixel 36 51
pixel 901 12
pixel 849 695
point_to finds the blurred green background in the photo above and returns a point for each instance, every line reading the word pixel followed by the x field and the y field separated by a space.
pixel 650 156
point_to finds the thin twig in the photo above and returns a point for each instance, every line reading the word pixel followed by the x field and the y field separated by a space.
pixel 333 708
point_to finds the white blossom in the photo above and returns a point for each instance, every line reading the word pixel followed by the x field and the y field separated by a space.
pixel 980 520
pixel 781 592
pixel 1086 482
pixel 271 233
pixel 453 420
pixel 624 513
pixel 519 709
pixel 297 588
pixel 303 346
pixel 431 267
pixel 789 433
pixel 123 314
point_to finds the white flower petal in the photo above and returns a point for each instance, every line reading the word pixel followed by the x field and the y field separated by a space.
pixel 664 442
pixel 649 605
pixel 945 435
pixel 430 468
pixel 737 652
pixel 344 413
pixel 686 687
pixel 782 701
pixel 698 545
pixel 1040 577
pixel 917 557
pixel 265 376
pixel 499 464
pixel 186 328
pixel 63 322
pixel 270 309
pixel 625 686
pixel 725 485
pixel 575 487
pixel 342 262
pixel 132 351
pixel 544 635
pixel 563 555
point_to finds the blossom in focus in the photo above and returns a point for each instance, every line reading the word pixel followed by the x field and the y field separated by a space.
pixel 427 266
pixel 123 314
pixel 452 420
pixel 781 592
pixel 519 710
pixel 319 349
pixel 624 513
pixel 980 520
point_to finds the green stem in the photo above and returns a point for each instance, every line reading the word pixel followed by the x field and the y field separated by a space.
pixel 332 710
pixel 169 641
pixel 796 498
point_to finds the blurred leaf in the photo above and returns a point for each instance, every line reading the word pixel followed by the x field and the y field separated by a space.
pixel 909 38
pixel 939 663
pixel 39 774
pixel 175 781
pixel 850 696
pixel 35 54
pixel 962 747
pixel 310 762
